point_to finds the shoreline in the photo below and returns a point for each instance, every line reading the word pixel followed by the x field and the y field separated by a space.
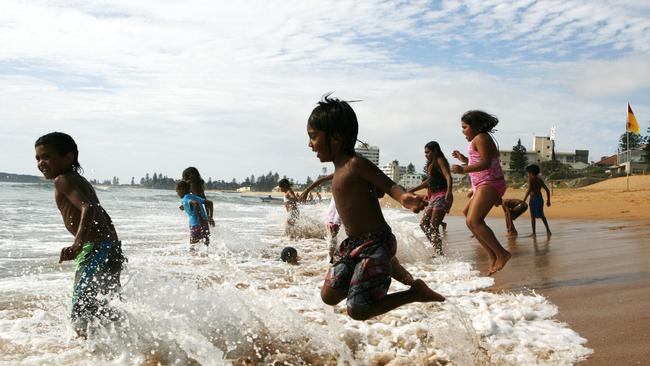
pixel 598 278
pixel 607 200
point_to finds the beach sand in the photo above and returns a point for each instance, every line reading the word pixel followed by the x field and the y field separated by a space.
pixel 599 277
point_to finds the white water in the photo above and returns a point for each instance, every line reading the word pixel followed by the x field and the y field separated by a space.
pixel 236 300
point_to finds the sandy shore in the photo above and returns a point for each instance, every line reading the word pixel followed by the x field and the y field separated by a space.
pixel 595 267
pixel 605 200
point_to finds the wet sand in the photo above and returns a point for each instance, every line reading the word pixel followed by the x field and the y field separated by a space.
pixel 595 267
pixel 599 277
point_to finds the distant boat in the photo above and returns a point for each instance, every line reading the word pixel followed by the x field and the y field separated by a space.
pixel 270 199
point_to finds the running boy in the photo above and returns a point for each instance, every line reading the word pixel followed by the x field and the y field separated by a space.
pixel 193 206
pixel 536 204
pixel 362 272
pixel 96 249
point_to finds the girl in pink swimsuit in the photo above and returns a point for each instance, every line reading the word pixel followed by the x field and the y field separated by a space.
pixel 488 185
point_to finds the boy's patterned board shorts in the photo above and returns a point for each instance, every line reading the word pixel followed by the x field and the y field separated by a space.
pixel 363 267
pixel 97 281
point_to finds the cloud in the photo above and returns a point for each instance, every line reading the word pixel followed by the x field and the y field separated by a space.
pixel 229 86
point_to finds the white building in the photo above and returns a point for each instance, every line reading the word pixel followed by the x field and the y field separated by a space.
pixel 392 170
pixel 410 180
pixel 369 152
pixel 542 151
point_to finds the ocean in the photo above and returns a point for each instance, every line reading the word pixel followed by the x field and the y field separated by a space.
pixel 235 301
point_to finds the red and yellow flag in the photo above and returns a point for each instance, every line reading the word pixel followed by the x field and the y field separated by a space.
pixel 631 125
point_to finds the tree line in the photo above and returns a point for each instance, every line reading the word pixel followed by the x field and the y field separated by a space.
pixel 263 182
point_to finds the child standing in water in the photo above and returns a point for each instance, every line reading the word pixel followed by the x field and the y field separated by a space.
pixel 362 273
pixel 439 188
pixel 290 204
pixel 193 205
pixel 535 185
pixel 97 251
pixel 197 187
pixel 488 183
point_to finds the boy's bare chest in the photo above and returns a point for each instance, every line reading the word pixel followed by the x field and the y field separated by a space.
pixel 69 213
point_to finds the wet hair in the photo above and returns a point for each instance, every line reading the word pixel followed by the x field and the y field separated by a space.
pixel 533 168
pixel 62 143
pixel 336 118
pixel 191 173
pixel 183 187
pixel 481 122
pixel 434 147
pixel 284 183
pixel 197 184
pixel 288 254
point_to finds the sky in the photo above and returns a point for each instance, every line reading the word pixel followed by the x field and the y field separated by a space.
pixel 157 86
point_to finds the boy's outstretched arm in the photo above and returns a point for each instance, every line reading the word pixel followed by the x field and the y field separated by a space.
pixel 64 186
pixel 316 183
pixel 376 177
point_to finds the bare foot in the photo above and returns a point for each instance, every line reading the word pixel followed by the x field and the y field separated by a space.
pixel 499 263
pixel 423 293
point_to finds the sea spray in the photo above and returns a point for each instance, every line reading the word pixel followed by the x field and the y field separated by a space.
pixel 236 301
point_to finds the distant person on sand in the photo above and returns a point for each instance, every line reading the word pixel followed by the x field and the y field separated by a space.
pixel 362 272
pixel 536 203
pixel 512 209
pixel 488 184
pixel 439 194
pixel 197 187
pixel 97 251
pixel 193 205
pixel 290 204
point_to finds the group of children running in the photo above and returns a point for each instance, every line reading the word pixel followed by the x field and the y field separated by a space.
pixel 362 266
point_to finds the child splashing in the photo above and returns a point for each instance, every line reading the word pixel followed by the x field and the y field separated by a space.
pixel 197 187
pixel 398 272
pixel 488 183
pixel 193 205
pixel 439 188
pixel 291 205
pixel 97 251
pixel 362 272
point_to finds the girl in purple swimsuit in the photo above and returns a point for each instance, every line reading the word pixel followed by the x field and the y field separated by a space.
pixel 488 185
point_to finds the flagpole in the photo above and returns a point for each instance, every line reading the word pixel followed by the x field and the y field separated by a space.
pixel 629 163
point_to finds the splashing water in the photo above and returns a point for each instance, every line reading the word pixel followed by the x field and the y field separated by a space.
pixel 235 301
